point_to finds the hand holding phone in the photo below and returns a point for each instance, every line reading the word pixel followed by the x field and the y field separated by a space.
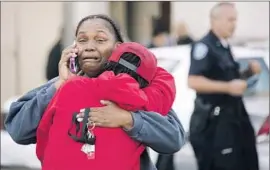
pixel 72 65
pixel 73 62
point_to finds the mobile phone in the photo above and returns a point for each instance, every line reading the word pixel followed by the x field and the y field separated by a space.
pixel 251 81
pixel 73 63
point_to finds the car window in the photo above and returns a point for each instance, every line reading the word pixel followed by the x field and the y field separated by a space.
pixel 262 86
pixel 168 65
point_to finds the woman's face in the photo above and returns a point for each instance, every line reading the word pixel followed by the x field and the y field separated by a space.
pixel 96 42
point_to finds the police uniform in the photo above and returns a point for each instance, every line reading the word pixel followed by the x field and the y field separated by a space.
pixel 221 133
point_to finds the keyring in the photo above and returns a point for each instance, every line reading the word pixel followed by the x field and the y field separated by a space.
pixel 91 123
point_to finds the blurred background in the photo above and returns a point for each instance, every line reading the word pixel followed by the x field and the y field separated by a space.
pixel 30 31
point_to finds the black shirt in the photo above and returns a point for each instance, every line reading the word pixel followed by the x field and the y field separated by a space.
pixel 209 58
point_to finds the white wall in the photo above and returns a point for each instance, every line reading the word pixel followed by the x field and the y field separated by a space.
pixel 36 29
pixel 31 29
pixel 253 18
pixel 8 86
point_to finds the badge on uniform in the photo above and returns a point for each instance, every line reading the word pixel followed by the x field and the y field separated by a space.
pixel 200 51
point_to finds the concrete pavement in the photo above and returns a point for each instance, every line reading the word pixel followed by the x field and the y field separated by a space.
pixel 184 159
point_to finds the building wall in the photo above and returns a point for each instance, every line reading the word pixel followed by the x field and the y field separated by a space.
pixel 75 11
pixel 253 18
pixel 141 21
pixel 8 70
pixel 28 32
pixel 28 29
pixel 118 12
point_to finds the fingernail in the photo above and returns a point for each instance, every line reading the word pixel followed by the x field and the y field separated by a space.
pixel 82 110
pixel 80 119
pixel 102 101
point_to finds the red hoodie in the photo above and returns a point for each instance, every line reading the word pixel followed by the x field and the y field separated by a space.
pixel 114 148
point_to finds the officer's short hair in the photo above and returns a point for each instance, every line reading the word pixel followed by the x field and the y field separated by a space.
pixel 218 5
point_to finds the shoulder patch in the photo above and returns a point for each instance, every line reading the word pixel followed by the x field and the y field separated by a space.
pixel 200 51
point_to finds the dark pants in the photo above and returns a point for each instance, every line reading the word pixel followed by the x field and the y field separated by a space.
pixel 165 162
pixel 223 140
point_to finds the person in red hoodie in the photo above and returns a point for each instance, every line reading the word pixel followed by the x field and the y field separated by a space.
pixel 128 79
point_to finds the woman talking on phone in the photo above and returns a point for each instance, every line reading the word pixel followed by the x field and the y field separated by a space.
pixel 163 134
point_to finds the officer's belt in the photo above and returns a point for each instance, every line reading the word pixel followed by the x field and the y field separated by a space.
pixel 215 109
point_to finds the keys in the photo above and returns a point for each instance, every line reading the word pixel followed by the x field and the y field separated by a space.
pixel 91 153
pixel 87 148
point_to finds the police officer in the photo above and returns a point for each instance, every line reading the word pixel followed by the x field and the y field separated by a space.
pixel 221 133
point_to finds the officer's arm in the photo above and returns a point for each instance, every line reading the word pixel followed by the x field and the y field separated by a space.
pixel 164 134
pixel 200 63
pixel 25 114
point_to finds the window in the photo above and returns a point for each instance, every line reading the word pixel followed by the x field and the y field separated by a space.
pixel 262 86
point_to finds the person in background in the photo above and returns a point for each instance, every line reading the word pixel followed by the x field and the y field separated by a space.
pixel 221 133
pixel 54 58
pixel 160 36
pixel 183 36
